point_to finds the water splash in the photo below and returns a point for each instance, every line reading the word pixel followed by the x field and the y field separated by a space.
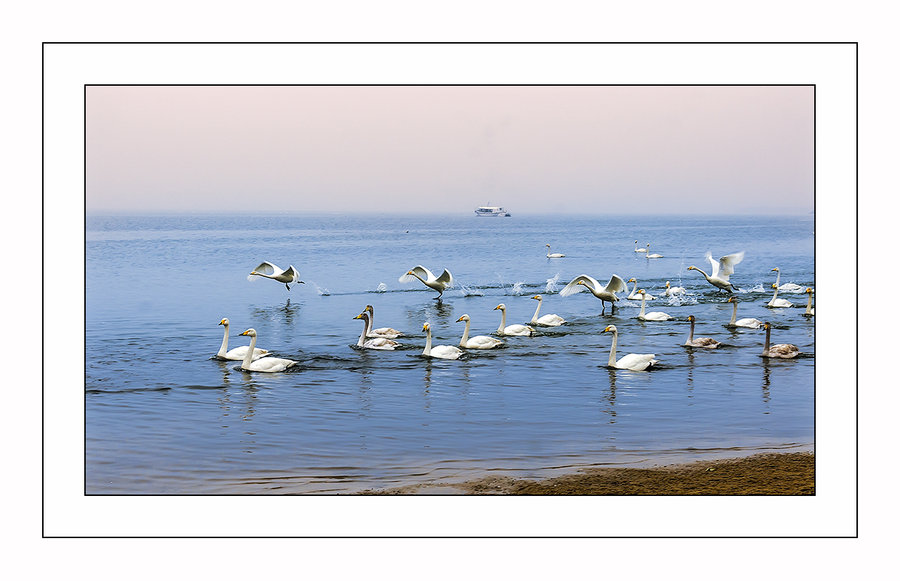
pixel 381 288
pixel 759 288
pixel 323 292
pixel 517 288
pixel 551 284
pixel 468 291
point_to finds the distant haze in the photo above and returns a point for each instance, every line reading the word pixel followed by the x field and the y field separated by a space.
pixel 446 149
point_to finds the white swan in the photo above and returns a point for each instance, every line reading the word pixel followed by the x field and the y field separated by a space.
pixel 238 353
pixel 546 320
pixel 554 254
pixel 634 295
pixel 478 341
pixel 383 332
pixel 653 315
pixel 636 249
pixel 269 270
pixel 604 293
pixel 787 287
pixel 381 343
pixel 672 291
pixel 652 255
pixel 810 310
pixel 704 342
pixel 439 351
pixel 721 270
pixel 438 283
pixel 748 322
pixel 266 364
pixel 776 302
pixel 632 361
pixel 512 330
pixel 779 351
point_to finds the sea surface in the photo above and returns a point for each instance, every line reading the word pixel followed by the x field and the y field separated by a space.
pixel 163 416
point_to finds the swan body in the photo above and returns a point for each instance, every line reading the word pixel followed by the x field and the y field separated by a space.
pixel 439 351
pixel 810 310
pixel 479 341
pixel 238 353
pixel 382 332
pixel 749 323
pixel 380 343
pixel 672 291
pixel 787 287
pixel 653 315
pixel 776 302
pixel 512 330
pixel 546 320
pixel 704 342
pixel 632 361
pixel 438 283
pixel 636 249
pixel 721 270
pixel 604 293
pixel 265 364
pixel 652 255
pixel 634 295
pixel 269 270
pixel 554 254
pixel 779 351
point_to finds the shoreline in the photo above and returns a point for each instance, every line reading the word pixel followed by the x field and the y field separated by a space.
pixel 768 473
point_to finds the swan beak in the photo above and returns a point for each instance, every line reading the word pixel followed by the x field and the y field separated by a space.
pixel 459 319
pixel 605 330
pixel 425 327
pixel 495 308
pixel 244 333
pixel 409 272
pixel 359 316
pixel 222 322
pixel 774 285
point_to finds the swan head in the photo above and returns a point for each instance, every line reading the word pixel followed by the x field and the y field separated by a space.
pixel 463 318
pixel 225 322
pixel 547 245
pixel 538 297
pixel 641 292
pixel 610 329
pixel 250 332
pixel 631 280
pixel 667 284
pixel 581 282
pixel 362 315
pixel 774 285
pixel 732 300
pixel 502 307
pixel 775 269
pixel 369 309
pixel 691 318
pixel 767 326
pixel 692 268
pixel 808 290
pixel 426 327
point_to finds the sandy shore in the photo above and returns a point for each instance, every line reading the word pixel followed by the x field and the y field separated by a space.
pixel 761 474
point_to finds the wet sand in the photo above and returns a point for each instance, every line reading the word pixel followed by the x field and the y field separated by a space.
pixel 760 474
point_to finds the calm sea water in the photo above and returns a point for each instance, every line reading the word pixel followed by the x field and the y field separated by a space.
pixel 163 417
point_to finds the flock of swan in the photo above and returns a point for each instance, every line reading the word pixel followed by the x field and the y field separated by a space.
pixel 383 338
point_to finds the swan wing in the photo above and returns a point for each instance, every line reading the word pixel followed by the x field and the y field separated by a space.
pixel 293 273
pixel 381 343
pixel 271 364
pixel 551 320
pixel 616 284
pixel 420 270
pixel 636 361
pixel 714 266
pixel 446 278
pixel 483 342
pixel 267 268
pixel 573 287
pixel 446 352
pixel 726 264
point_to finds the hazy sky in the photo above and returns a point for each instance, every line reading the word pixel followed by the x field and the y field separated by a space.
pixel 532 150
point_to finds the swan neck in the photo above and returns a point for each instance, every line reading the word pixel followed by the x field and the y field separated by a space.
pixel 612 349
pixel 691 334
pixel 365 331
pixel 733 315
pixel 224 348
pixel 536 311
pixel 427 350
pixel 766 344
pixel 465 337
pixel 808 303
pixel 777 278
pixel 776 293
pixel 249 356
pixel 643 305
pixel 502 321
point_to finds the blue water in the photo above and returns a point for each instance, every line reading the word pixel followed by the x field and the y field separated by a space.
pixel 163 416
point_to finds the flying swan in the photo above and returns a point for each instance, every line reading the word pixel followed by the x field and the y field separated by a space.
pixel 546 320
pixel 269 270
pixel 652 315
pixel 604 293
pixel 721 270
pixel 238 353
pixel 787 287
pixel 634 295
pixel 266 364
pixel 438 283
pixel 780 351
pixel 513 330
pixel 477 342
pixel 383 332
pixel 632 361
pixel 704 342
pixel 381 343
pixel 554 254
pixel 439 351
pixel 748 323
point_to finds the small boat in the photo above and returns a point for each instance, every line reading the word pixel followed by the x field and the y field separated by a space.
pixel 491 211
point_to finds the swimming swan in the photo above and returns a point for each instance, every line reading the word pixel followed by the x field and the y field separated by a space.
pixel 780 351
pixel 636 249
pixel 652 255
pixel 632 361
pixel 438 283
pixel 634 295
pixel 748 323
pixel 672 291
pixel 269 270
pixel 477 342
pixel 721 270
pixel 776 302
pixel 810 310
pixel 440 351
pixel 555 254
pixel 381 343
pixel 266 364
pixel 704 342
pixel 787 287
pixel 384 332
pixel 512 330
pixel 604 293
pixel 546 320
pixel 238 353
pixel 653 315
